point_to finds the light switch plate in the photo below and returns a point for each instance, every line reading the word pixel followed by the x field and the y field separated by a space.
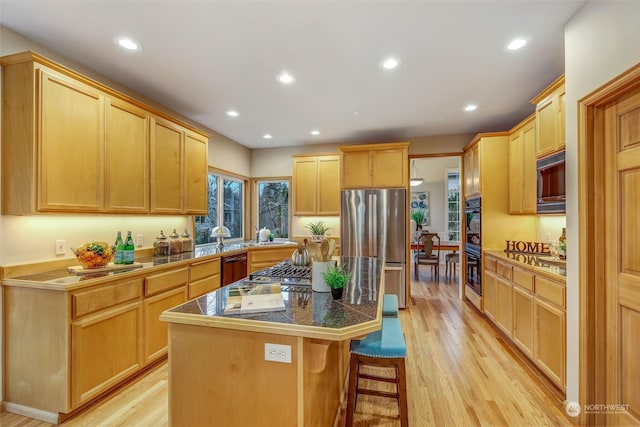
pixel 277 353
pixel 61 247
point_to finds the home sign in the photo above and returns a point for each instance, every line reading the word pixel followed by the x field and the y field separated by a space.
pixel 519 246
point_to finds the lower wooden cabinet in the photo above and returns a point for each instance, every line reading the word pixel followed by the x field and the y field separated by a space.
pixel 263 258
pixel 550 340
pixel 523 320
pixel 504 311
pixel 105 349
pixel 530 308
pixel 155 333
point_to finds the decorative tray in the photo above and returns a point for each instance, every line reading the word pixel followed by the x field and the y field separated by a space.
pixel 80 270
pixel 551 260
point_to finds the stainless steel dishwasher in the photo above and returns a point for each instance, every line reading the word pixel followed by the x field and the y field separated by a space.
pixel 234 268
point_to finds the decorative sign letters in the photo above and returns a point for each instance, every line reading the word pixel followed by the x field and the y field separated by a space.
pixel 537 248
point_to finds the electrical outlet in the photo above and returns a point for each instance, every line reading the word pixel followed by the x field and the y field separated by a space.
pixel 277 353
pixel 61 247
pixel 139 240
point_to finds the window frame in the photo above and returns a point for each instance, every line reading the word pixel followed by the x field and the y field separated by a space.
pixel 222 175
pixel 447 173
pixel 254 200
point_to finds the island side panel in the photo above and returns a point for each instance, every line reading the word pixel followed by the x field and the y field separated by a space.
pixel 219 377
pixel 324 375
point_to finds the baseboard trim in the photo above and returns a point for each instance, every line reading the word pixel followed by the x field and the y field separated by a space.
pixel 27 411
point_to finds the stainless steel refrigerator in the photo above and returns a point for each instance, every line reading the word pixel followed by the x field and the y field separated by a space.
pixel 373 224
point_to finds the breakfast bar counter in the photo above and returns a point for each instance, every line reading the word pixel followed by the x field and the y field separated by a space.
pixel 218 372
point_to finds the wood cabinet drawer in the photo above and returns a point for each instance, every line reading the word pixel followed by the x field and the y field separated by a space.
pixel 523 278
pixel 91 300
pixel 163 281
pixel 491 264
pixel 200 270
pixel 550 291
pixel 504 270
pixel 202 286
pixel 272 255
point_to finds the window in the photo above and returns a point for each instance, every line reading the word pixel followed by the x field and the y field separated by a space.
pixel 453 205
pixel 273 206
pixel 225 207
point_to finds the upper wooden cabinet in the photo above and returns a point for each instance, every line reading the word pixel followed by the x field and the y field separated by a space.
pixel 472 171
pixel 550 121
pixel 73 145
pixel 522 167
pixel 126 158
pixel 375 165
pixel 316 185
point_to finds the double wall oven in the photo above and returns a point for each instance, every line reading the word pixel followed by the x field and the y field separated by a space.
pixel 473 244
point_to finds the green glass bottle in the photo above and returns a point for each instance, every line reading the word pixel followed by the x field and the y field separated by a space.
pixel 128 249
pixel 119 250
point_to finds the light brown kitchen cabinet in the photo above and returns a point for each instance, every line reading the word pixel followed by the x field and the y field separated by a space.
pixel 166 167
pixel 522 168
pixel 316 185
pixel 471 160
pixel 267 257
pixel 156 336
pixel 523 302
pixel 530 308
pixel 375 165
pixel 204 276
pixel 73 145
pixel 105 349
pixel 196 170
pixel 550 118
pixel 126 158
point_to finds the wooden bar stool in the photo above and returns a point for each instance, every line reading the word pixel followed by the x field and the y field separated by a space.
pixel 383 348
pixel 390 305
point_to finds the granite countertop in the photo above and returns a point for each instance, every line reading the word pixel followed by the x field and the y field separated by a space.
pixel 61 278
pixel 307 313
pixel 540 264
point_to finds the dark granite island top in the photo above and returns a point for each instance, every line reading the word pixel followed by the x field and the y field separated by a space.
pixel 307 313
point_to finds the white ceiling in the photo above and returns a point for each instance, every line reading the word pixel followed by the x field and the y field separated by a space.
pixel 201 58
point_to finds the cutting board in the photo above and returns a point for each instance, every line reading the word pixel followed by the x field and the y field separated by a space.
pixel 80 270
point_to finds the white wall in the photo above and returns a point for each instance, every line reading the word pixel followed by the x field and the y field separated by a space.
pixel 601 42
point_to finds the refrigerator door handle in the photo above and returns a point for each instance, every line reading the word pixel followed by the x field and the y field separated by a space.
pixel 375 224
pixel 370 228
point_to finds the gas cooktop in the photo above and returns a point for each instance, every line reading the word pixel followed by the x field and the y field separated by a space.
pixel 293 278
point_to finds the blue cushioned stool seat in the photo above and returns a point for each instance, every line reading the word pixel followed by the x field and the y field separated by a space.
pixel 384 348
pixel 387 342
pixel 390 305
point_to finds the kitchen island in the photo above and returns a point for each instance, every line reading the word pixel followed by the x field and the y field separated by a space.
pixel 218 374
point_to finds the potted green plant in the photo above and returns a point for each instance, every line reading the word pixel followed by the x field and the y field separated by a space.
pixel 418 216
pixel 337 278
pixel 317 229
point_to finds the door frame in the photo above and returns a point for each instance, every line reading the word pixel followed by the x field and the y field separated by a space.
pixel 592 254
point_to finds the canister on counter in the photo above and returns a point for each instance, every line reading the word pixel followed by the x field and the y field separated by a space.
pixel 175 243
pixel 161 245
pixel 187 241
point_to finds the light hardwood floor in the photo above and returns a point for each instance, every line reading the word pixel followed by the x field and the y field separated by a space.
pixel 460 372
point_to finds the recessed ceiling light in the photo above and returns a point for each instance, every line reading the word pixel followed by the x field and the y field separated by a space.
pixel 232 113
pixel 390 63
pixel 315 132
pixel 517 43
pixel 267 136
pixel 470 107
pixel 356 113
pixel 127 43
pixel 286 78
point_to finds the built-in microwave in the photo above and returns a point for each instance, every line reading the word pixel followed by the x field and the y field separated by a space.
pixel 551 183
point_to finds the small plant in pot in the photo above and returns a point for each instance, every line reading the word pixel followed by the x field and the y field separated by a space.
pixel 337 278
pixel 317 230
pixel 418 216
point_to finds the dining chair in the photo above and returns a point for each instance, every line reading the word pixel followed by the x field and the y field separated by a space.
pixel 428 257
